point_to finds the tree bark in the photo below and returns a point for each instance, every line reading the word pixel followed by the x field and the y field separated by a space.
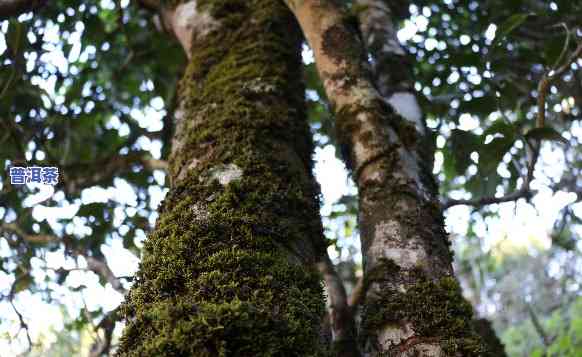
pixel 341 315
pixel 413 304
pixel 392 72
pixel 391 67
pixel 484 328
pixel 229 268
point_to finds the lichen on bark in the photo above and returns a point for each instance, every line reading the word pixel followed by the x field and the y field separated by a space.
pixel 227 269
pixel 400 219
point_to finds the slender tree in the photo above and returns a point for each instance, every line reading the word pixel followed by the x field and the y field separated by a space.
pixel 413 304
pixel 392 73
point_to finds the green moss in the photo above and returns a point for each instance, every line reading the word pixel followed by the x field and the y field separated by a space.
pixel 224 272
pixel 384 268
pixel 484 328
pixel 407 133
pixel 339 43
pixel 435 308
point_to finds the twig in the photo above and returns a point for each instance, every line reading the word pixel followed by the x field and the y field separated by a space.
pixel 341 316
pixel 100 267
pixel 546 340
pixel 23 324
pixel 107 324
pixel 548 78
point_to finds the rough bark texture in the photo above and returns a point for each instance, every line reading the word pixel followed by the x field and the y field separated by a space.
pixel 413 304
pixel 226 271
pixel 391 66
pixel 392 72
pixel 484 328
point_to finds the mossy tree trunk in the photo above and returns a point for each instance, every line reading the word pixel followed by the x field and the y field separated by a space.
pixel 392 73
pixel 413 304
pixel 227 270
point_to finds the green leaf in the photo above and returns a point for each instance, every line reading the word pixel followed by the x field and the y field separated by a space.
pixel 508 26
pixel 538 352
pixel 23 283
pixel 545 133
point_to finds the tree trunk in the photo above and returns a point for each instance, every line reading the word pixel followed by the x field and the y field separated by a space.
pixel 228 268
pixel 392 72
pixel 413 304
pixel 484 328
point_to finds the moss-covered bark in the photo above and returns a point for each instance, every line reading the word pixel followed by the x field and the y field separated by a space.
pixel 413 305
pixel 484 328
pixel 408 259
pixel 225 271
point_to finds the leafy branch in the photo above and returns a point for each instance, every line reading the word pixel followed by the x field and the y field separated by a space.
pixel 534 137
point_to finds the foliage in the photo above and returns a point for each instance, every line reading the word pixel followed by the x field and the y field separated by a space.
pixel 79 91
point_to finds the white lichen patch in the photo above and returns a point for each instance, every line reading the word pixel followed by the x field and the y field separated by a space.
pixel 390 243
pixel 428 350
pixel 259 86
pixel 188 23
pixel 364 94
pixel 405 104
pixel 224 174
pixel 392 335
pixel 200 212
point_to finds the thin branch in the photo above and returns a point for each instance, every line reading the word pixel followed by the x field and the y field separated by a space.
pixel 23 324
pixel 102 346
pixel 547 80
pixel 29 238
pixel 97 265
pixel 546 340
pixel 341 316
pixel 100 267
pixel 525 191
pixel 107 168
pixel 484 201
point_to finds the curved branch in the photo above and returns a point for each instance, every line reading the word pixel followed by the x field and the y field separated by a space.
pixel 100 267
pixel 97 265
pixel 525 191
pixel 484 201
pixel 547 80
